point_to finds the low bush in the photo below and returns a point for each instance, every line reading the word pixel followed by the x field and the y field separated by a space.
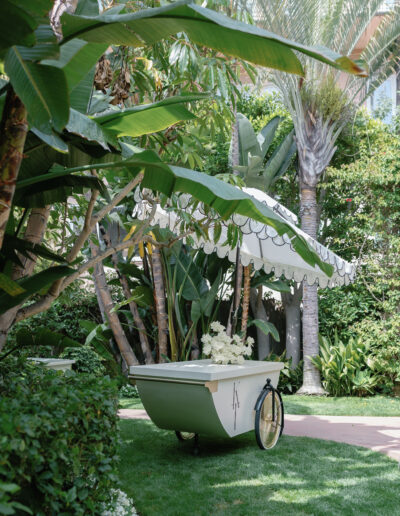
pixel 344 367
pixel 86 360
pixel 57 439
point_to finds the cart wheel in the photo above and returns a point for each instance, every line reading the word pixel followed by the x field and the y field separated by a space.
pixel 184 436
pixel 269 419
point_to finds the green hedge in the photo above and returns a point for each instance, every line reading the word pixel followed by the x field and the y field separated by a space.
pixel 58 439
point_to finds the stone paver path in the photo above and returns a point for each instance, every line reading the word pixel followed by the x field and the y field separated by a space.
pixel 381 434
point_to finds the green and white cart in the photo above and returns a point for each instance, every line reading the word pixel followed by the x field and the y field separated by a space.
pixel 200 397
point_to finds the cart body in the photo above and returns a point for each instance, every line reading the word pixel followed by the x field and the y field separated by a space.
pixel 204 398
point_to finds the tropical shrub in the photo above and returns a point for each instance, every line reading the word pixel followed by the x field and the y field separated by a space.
pixel 291 378
pixel 362 205
pixel 64 315
pixel 58 439
pixel 342 307
pixel 86 360
pixel 128 391
pixel 344 367
pixel 382 336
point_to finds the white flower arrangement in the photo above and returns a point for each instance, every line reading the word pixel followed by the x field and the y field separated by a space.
pixel 224 349
pixel 118 505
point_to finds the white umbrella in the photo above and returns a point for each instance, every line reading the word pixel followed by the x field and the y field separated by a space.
pixel 261 244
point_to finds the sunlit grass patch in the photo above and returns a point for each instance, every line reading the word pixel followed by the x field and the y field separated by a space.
pixel 234 477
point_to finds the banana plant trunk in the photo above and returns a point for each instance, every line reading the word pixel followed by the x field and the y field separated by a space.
pixel 13 131
pixel 139 324
pixel 258 309
pixel 291 303
pixel 102 289
pixel 35 228
pixel 309 223
pixel 159 299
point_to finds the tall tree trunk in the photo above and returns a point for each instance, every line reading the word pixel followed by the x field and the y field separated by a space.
pixel 159 298
pixel 124 347
pixel 35 228
pixel 13 131
pixel 139 324
pixel 291 303
pixel 246 299
pixel 309 221
pixel 258 309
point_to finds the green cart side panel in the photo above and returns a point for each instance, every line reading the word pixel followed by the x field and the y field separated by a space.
pixel 186 408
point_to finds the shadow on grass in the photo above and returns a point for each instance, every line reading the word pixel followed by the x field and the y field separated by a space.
pixel 300 476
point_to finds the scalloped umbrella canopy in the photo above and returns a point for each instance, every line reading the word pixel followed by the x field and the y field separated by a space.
pixel 261 245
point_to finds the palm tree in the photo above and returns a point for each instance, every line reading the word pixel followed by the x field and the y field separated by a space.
pixel 321 104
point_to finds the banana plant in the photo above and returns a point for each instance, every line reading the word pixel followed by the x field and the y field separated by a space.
pixel 253 149
pixel 49 91
pixel 46 76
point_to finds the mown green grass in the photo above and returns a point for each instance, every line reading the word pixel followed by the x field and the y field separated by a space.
pixel 346 406
pixel 130 403
pixel 300 476
pixel 323 406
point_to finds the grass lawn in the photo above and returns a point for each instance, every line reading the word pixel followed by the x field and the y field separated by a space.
pixel 233 477
pixel 322 405
pixel 351 406
pixel 131 403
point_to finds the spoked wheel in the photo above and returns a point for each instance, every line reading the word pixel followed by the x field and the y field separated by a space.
pixel 184 436
pixel 269 418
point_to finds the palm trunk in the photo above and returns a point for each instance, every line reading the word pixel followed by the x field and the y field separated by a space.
pixel 246 299
pixel 311 376
pixel 34 232
pixel 159 298
pixel 13 131
pixel 258 309
pixel 291 303
pixel 102 289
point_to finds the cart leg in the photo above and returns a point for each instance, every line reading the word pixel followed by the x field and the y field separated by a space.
pixel 196 447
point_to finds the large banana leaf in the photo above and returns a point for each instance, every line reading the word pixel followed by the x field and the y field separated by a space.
pixel 77 57
pixel 224 198
pixel 33 285
pixel 248 143
pixel 12 243
pixel 267 133
pixel 81 95
pixel 42 88
pixel 53 187
pixel 91 130
pixel 190 283
pixel 16 26
pixel 280 160
pixel 148 118
pixel 204 27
